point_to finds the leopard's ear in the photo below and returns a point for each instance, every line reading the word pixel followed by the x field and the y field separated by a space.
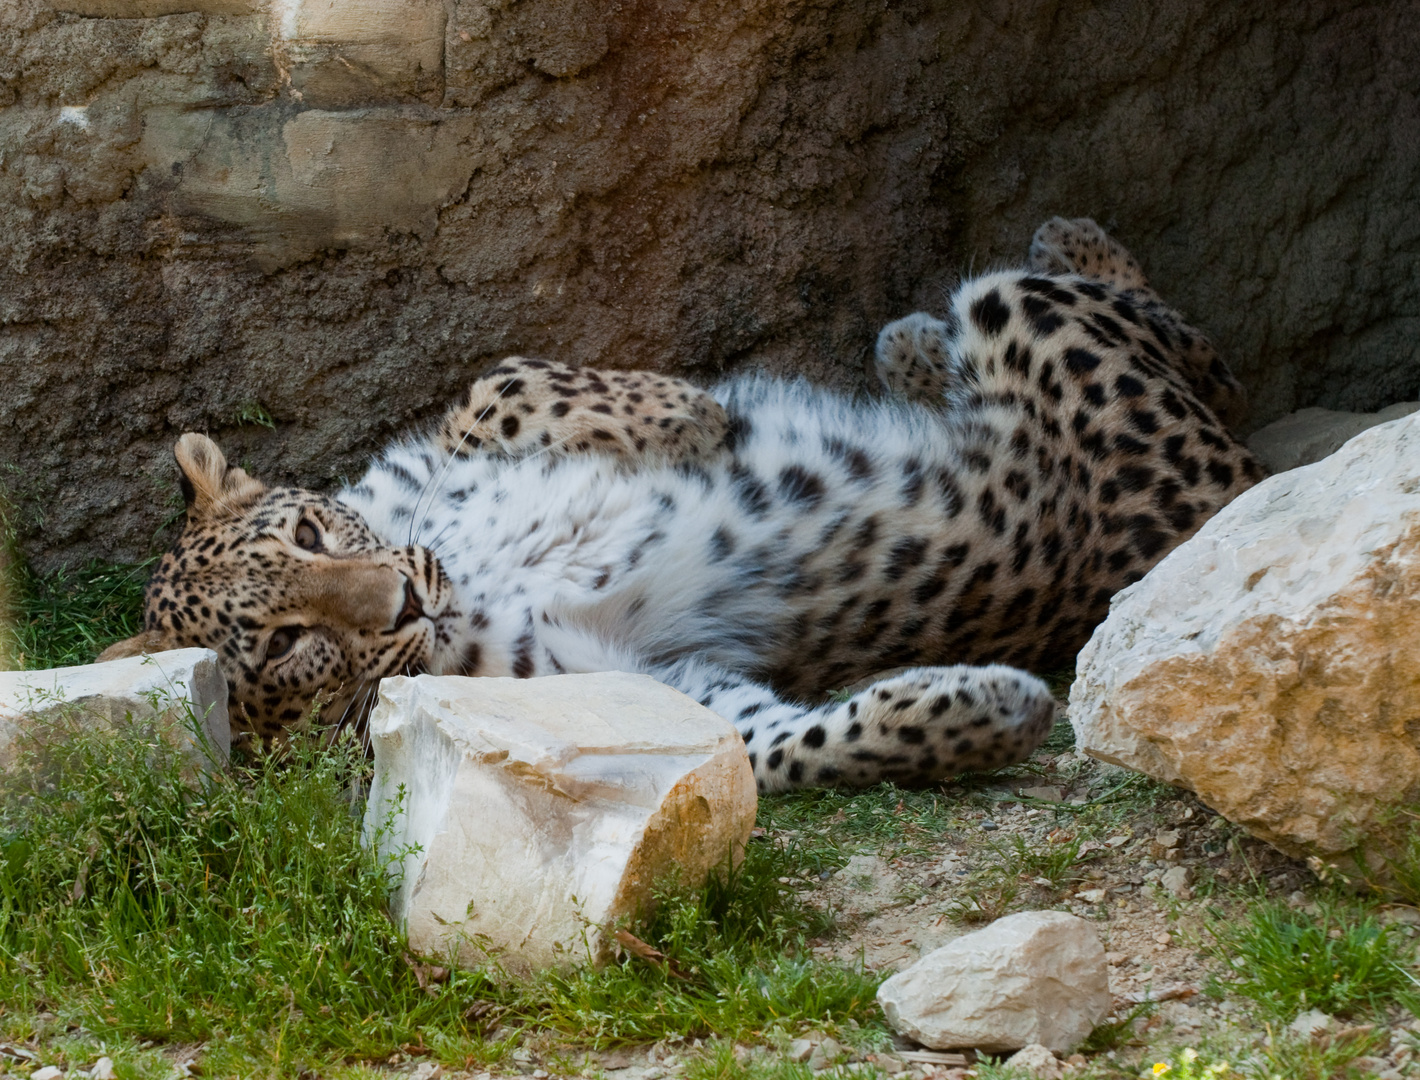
pixel 209 484
pixel 148 641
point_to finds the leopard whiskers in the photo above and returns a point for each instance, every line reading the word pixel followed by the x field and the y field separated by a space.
pixel 433 542
pixel 436 481
pixel 360 696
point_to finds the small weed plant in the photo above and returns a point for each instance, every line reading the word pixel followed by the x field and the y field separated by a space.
pixel 1340 960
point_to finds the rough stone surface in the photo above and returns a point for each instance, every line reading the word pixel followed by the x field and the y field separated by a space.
pixel 1272 663
pixel 153 690
pixel 222 213
pixel 545 809
pixel 1036 977
pixel 1307 436
pixel 1037 1061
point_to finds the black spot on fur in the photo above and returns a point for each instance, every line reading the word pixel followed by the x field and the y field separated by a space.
pixel 990 314
pixel 798 485
pixel 722 544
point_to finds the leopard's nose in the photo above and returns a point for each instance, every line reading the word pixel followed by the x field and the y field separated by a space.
pixel 412 610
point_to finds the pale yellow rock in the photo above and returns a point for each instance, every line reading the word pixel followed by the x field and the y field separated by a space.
pixel 1037 977
pixel 180 694
pixel 544 810
pixel 1307 436
pixel 317 179
pixel 1272 662
pixel 362 52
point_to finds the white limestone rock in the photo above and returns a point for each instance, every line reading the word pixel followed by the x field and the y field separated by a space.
pixel 1308 435
pixel 1036 977
pixel 545 809
pixel 1037 1061
pixel 1272 662
pixel 168 690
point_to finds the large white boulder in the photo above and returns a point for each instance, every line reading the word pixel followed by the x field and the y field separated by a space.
pixel 535 814
pixel 1036 977
pixel 180 693
pixel 1272 662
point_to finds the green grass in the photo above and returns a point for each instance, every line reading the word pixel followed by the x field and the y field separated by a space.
pixel 70 616
pixel 245 914
pixel 720 1061
pixel 1340 960
pixel 827 826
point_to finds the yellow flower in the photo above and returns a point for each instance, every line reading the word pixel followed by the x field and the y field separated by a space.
pixel 1160 1067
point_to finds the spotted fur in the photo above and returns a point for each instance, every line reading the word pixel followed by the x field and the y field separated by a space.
pixel 1069 439
pixel 528 406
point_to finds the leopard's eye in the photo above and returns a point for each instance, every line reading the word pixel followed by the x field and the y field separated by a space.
pixel 282 640
pixel 307 536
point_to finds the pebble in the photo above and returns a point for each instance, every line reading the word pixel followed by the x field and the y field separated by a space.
pixel 1310 1022
pixel 1177 880
pixel 49 1072
pixel 1036 1061
pixel 825 1053
pixel 103 1069
pixel 989 825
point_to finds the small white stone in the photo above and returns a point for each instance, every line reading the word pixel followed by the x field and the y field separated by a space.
pixel 800 1050
pixel 544 810
pixel 1167 838
pixel 166 691
pixel 1310 1022
pixel 1037 1061
pixel 1035 977
pixel 1091 896
pixel 49 1072
pixel 1177 880
pixel 102 1070
pixel 826 1053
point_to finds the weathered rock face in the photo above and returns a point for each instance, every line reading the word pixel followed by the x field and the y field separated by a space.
pixel 177 694
pixel 1272 663
pixel 1036 977
pixel 1308 435
pixel 219 213
pixel 544 810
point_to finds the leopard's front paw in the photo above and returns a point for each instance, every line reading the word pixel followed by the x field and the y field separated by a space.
pixel 1079 246
pixel 525 407
pixel 913 356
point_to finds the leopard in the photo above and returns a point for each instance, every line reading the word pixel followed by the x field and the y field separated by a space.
pixel 759 545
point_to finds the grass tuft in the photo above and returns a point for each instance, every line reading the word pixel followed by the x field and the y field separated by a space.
pixel 70 616
pixel 1340 960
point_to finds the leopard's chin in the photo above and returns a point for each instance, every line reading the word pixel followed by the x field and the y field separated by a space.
pixel 444 656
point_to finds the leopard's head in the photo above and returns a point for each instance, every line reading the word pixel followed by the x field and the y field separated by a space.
pixel 295 594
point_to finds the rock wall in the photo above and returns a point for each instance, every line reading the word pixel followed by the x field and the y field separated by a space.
pixel 301 225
